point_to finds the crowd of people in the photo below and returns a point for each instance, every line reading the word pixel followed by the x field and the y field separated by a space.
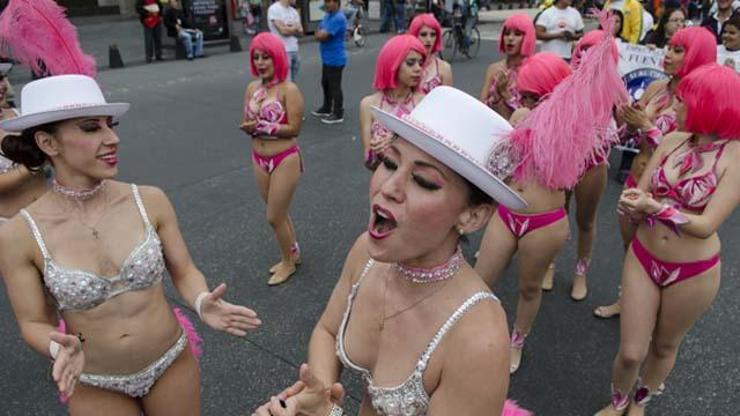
pixel 83 255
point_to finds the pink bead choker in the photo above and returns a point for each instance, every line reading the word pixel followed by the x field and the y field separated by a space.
pixel 75 193
pixel 435 274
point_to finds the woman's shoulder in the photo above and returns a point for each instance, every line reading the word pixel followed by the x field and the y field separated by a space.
pixel 357 258
pixel 444 65
pixel 150 195
pixel 732 151
pixel 289 87
pixel 371 100
pixel 496 67
pixel 253 85
pixel 485 321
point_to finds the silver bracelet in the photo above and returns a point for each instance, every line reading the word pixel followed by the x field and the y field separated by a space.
pixel 336 410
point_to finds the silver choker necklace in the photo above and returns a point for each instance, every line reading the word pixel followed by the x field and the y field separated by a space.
pixel 76 193
pixel 435 274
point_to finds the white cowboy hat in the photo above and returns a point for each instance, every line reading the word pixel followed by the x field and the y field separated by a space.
pixel 61 97
pixel 460 132
pixel 5 67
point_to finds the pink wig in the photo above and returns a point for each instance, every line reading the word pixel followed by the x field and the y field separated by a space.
pixel 710 96
pixel 273 46
pixel 541 73
pixel 393 53
pixel 523 23
pixel 700 46
pixel 428 20
pixel 555 141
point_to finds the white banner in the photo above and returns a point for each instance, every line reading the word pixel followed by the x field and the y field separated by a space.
pixel 639 66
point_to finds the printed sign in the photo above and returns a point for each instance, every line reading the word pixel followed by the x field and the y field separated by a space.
pixel 639 66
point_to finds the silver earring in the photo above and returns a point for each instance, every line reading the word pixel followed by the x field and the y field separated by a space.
pixel 461 231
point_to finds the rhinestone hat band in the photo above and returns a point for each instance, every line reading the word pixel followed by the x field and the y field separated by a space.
pixel 435 274
pixel 77 194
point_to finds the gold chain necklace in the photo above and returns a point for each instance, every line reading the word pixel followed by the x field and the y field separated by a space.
pixel 394 314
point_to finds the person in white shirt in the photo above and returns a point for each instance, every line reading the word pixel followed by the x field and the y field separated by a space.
pixel 557 28
pixel 647 23
pixel 728 53
pixel 284 21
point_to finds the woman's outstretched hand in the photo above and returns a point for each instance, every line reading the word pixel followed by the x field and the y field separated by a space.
pixel 225 316
pixel 309 396
pixel 68 363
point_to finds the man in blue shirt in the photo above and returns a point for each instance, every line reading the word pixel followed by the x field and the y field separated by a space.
pixel 333 60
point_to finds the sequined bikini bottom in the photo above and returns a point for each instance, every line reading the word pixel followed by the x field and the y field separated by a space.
pixel 139 383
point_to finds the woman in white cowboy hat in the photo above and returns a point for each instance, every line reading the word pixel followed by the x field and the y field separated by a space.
pixel 18 186
pixel 93 251
pixel 407 303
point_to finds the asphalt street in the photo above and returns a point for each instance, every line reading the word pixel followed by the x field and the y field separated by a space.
pixel 182 135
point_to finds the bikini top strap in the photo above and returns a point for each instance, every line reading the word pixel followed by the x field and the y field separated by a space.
pixel 36 233
pixel 719 154
pixel 140 205
pixel 466 306
pixel 665 158
pixel 350 301
pixel 365 270
pixel 436 65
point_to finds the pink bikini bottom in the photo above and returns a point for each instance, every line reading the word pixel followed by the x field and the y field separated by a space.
pixel 664 273
pixel 270 163
pixel 521 224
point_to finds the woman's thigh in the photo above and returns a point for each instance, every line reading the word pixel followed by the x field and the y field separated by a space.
pixel 94 401
pixel 177 392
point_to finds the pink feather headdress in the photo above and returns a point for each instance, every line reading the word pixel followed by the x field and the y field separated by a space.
pixel 37 33
pixel 553 143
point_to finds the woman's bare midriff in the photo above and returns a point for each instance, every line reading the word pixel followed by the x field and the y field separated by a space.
pixel 126 333
pixel 273 146
pixel 664 244
pixel 539 199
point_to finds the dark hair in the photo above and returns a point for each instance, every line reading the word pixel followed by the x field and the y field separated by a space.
pixel 658 37
pixel 619 13
pixel 476 196
pixel 22 149
pixel 734 20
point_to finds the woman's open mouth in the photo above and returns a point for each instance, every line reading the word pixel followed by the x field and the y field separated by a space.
pixel 382 223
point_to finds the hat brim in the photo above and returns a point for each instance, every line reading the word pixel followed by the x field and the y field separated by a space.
pixel 470 169
pixel 18 124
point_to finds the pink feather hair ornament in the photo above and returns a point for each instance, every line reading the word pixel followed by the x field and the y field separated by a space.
pixel 554 142
pixel 37 33
pixel 512 409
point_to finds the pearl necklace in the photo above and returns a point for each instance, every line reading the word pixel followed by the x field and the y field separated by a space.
pixel 77 194
pixel 444 271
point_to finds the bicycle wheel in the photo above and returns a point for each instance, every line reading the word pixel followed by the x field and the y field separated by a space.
pixel 359 36
pixel 474 46
pixel 450 45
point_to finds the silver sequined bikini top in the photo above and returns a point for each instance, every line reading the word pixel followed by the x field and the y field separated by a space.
pixel 408 398
pixel 81 290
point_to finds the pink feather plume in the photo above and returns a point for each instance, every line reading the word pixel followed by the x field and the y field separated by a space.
pixel 574 124
pixel 512 409
pixel 195 342
pixel 37 33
